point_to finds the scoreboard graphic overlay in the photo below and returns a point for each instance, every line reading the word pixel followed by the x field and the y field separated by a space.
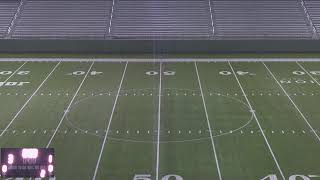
pixel 27 162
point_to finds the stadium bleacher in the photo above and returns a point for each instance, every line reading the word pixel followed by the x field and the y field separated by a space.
pixel 161 19
pixel 148 19
pixel 7 12
pixel 260 19
pixel 313 8
pixel 63 19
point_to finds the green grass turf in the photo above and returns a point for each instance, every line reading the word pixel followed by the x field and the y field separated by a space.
pixel 186 147
pixel 152 55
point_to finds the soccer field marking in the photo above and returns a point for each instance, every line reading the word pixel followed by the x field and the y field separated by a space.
pixel 66 111
pixel 308 73
pixel 159 121
pixel 27 102
pixel 109 123
pixel 258 123
pixel 208 122
pixel 12 74
pixel 293 103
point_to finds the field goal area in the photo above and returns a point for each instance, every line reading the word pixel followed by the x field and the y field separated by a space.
pixel 166 119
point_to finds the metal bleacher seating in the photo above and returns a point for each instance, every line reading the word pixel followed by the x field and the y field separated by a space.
pixel 161 19
pixel 63 19
pixel 313 8
pixel 260 19
pixel 8 9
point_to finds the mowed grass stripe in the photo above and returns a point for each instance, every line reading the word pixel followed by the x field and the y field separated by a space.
pixel 295 151
pixel 134 118
pixel 242 150
pixel 182 118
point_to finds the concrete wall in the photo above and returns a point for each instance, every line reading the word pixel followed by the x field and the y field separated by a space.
pixel 159 46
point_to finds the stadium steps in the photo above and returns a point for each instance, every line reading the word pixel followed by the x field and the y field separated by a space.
pixel 259 19
pixel 313 8
pixel 15 19
pixel 155 19
pixel 143 19
pixel 63 19
pixel 312 28
pixel 8 9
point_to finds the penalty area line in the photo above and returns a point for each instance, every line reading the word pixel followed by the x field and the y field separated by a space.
pixel 109 123
pixel 208 122
pixel 66 111
pixel 27 102
pixel 257 121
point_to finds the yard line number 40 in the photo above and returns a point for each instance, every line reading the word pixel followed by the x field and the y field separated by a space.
pixel 292 177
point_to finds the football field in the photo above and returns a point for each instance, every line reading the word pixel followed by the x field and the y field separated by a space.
pixel 166 120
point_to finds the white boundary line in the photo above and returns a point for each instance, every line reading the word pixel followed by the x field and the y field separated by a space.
pixel 26 103
pixel 255 117
pixel 159 122
pixel 163 59
pixel 208 122
pixel 308 73
pixel 66 111
pixel 293 103
pixel 14 72
pixel 109 123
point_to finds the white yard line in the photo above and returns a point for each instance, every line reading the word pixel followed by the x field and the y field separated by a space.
pixel 66 111
pixel 109 123
pixel 308 73
pixel 26 103
pixel 159 122
pixel 255 117
pixel 15 72
pixel 208 122
pixel 293 103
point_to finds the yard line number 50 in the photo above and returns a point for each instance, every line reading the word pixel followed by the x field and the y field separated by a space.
pixel 148 177
pixel 166 73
